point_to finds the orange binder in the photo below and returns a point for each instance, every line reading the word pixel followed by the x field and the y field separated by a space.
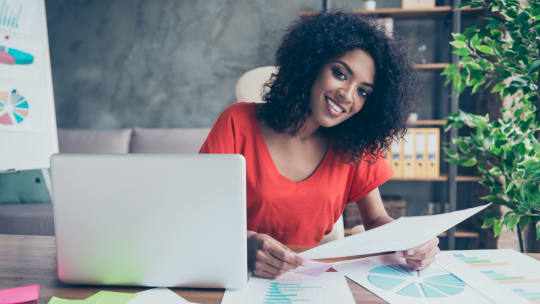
pixel 433 152
pixel 420 153
pixel 408 150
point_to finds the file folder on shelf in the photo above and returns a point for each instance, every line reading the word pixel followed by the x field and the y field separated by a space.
pixel 433 152
pixel 408 150
pixel 395 157
pixel 420 156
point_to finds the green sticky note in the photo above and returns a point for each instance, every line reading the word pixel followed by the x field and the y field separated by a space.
pixel 110 297
pixel 55 300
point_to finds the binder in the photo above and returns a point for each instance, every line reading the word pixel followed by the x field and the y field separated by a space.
pixel 420 153
pixel 408 150
pixel 395 158
pixel 433 152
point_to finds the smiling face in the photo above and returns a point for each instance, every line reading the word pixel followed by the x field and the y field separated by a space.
pixel 341 88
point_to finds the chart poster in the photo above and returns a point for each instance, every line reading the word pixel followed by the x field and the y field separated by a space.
pixel 27 116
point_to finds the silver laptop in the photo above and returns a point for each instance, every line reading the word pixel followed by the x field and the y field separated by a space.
pixel 150 219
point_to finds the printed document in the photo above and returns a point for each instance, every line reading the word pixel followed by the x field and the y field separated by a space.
pixel 330 287
pixel 401 234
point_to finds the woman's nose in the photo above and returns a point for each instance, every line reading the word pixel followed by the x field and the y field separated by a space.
pixel 346 94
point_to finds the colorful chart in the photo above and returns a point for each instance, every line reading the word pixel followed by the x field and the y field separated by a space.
pixel 405 282
pixel 510 277
pixel 13 56
pixel 10 16
pixel 14 108
pixel 279 292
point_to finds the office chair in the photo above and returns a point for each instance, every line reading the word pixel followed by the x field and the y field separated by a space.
pixel 250 87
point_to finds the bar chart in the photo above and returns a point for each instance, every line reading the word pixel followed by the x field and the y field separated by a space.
pixel 10 16
pixel 15 15
pixel 504 275
pixel 279 292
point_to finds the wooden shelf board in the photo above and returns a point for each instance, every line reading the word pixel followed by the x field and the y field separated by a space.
pixel 462 234
pixel 442 178
pixel 402 13
pixel 433 122
pixel 458 233
pixel 430 66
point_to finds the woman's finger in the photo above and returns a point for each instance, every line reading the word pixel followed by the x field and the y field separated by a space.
pixel 271 260
pixel 419 252
pixel 285 259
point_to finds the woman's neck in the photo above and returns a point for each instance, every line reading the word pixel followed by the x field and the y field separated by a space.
pixel 309 130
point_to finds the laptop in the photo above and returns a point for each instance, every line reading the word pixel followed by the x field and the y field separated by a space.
pixel 163 220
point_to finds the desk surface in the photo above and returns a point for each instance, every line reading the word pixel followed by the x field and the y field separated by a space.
pixel 27 260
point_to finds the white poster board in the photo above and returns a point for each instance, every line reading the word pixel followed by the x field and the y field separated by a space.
pixel 28 133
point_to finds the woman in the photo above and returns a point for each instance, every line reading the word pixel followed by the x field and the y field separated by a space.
pixel 339 99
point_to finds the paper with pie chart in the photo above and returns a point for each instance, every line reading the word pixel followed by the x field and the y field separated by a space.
pixel 392 280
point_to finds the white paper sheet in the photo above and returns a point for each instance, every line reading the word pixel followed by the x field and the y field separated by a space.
pixel 313 268
pixel 401 234
pixel 158 295
pixel 503 275
pixel 389 278
pixel 330 287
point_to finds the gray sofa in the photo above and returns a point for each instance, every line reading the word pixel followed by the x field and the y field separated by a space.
pixel 25 207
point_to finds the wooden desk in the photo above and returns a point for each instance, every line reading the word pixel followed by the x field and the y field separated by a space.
pixel 27 260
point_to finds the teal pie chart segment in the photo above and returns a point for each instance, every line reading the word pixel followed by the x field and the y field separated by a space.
pixel 385 283
pixel 410 290
pixel 403 281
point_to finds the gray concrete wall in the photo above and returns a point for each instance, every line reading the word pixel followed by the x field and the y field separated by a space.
pixel 169 63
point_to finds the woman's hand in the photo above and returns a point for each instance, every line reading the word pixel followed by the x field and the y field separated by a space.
pixel 268 258
pixel 422 256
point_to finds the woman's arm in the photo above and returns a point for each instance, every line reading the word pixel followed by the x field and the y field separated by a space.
pixel 373 215
pixel 372 210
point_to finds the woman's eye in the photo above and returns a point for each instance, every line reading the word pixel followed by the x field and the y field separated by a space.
pixel 363 93
pixel 338 74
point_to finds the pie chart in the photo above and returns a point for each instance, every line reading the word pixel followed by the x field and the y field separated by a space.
pixel 416 284
pixel 14 108
pixel 13 56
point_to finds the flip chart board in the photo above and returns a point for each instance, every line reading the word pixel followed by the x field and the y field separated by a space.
pixel 28 133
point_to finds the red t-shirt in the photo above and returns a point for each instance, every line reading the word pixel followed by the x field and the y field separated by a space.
pixel 294 213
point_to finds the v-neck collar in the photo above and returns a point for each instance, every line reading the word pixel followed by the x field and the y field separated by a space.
pixel 259 140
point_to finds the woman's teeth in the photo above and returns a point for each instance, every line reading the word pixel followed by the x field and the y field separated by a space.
pixel 334 106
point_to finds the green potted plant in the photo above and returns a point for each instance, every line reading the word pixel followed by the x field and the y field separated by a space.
pixel 501 55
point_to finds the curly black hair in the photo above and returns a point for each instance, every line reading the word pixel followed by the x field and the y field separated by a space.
pixel 313 41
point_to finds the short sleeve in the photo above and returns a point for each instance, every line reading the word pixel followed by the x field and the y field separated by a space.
pixel 221 139
pixel 367 176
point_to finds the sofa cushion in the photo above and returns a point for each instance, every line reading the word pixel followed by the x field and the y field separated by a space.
pixel 181 140
pixel 34 219
pixel 94 141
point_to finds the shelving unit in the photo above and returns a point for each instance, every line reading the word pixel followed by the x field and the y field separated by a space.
pixel 401 13
pixel 442 178
pixel 437 13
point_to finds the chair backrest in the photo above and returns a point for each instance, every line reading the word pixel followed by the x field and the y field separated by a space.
pixel 250 85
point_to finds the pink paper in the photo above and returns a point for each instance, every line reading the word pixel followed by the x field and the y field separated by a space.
pixel 313 268
pixel 19 294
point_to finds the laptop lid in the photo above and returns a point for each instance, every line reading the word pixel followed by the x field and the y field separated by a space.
pixel 150 219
